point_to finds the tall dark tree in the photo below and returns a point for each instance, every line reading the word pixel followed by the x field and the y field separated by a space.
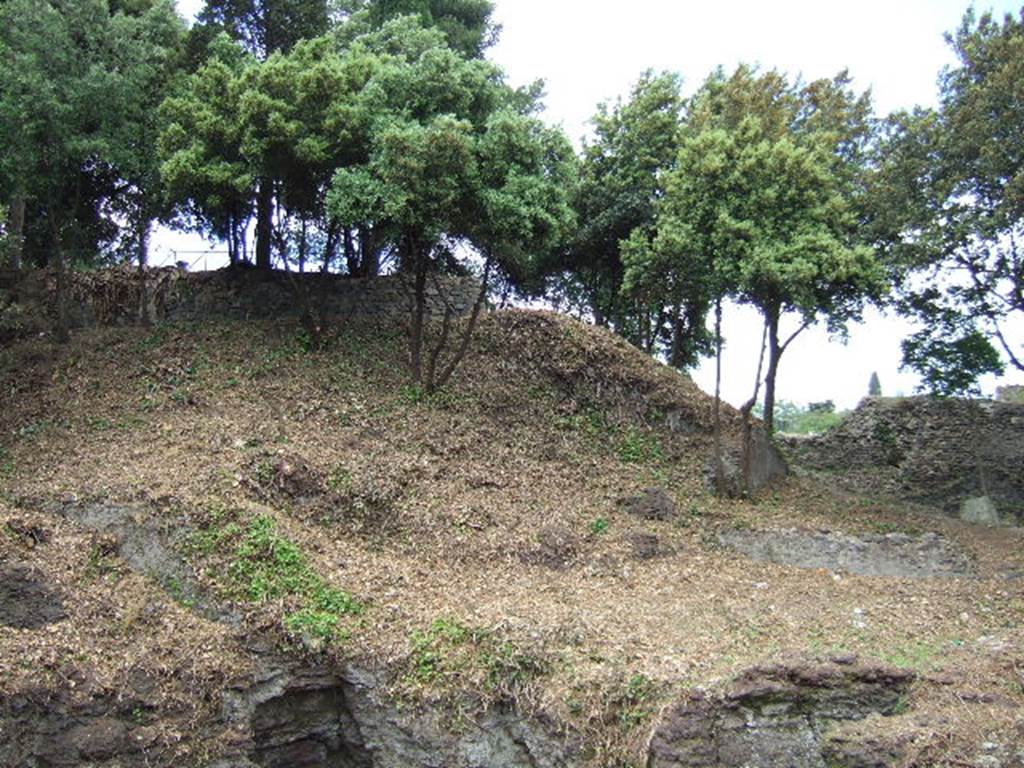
pixel 467 25
pixel 265 27
pixel 73 80
pixel 621 177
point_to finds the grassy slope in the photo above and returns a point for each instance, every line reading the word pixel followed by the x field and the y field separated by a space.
pixel 443 517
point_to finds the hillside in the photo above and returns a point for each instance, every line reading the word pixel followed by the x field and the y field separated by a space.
pixel 221 548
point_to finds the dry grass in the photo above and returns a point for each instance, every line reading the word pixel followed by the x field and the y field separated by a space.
pixel 429 510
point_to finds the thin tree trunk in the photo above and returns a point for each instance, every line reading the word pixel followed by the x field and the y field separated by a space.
pixel 63 334
pixel 302 246
pixel 418 262
pixel 16 229
pixel 747 446
pixel 264 223
pixel 351 260
pixel 774 352
pixel 467 336
pixel 142 235
pixel 719 464
pixel 330 246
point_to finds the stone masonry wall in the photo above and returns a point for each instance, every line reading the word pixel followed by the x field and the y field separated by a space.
pixel 941 452
pixel 111 296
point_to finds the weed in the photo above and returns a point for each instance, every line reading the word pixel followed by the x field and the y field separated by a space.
pixel 153 340
pixel 636 446
pixel 450 652
pixel 634 703
pixel 263 565
pixel 38 427
pixel 339 479
pixel 101 564
pixel 901 707
pixel 412 394
pixel 176 589
pixel 599 526
pixel 7 464
pixel 917 655
pixel 323 625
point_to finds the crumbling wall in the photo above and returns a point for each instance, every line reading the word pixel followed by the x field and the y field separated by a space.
pixel 939 451
pixel 111 296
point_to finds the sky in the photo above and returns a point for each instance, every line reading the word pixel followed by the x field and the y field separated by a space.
pixel 589 52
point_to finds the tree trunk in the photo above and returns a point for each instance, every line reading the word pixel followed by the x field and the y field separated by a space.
pixel 16 229
pixel 142 235
pixel 62 332
pixel 351 260
pixel 264 223
pixel 418 262
pixel 467 334
pixel 774 353
pixel 330 246
pixel 302 246
pixel 370 254
pixel 719 464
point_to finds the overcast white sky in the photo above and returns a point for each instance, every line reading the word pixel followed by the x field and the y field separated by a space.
pixel 588 52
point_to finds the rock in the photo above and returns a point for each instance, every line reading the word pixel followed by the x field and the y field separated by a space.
pixel 303 715
pixel 557 547
pixel 774 715
pixel 766 465
pixel 27 601
pixel 652 504
pixel 942 452
pixel 647 546
pixel 894 554
pixel 980 510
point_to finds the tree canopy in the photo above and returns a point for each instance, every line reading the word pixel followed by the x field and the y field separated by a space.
pixel 949 201
pixel 762 204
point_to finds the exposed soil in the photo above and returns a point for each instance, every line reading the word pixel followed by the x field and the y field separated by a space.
pixel 27 601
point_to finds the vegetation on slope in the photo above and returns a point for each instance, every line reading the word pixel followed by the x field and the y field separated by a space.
pixel 473 543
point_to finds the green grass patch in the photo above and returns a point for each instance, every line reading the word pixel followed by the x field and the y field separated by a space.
pixel 633 445
pixel 453 656
pixel 919 656
pixel 256 563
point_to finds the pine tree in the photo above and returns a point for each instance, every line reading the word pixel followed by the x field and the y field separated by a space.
pixel 874 385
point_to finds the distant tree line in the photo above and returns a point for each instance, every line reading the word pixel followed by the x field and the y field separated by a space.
pixel 365 136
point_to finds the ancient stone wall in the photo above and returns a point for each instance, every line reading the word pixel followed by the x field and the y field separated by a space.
pixel 111 296
pixel 939 451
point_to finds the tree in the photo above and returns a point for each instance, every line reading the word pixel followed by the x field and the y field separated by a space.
pixel 67 93
pixel 874 385
pixel 267 26
pixel 455 168
pixel 150 46
pixel 621 176
pixel 466 24
pixel 763 205
pixel 202 164
pixel 949 209
pixel 85 81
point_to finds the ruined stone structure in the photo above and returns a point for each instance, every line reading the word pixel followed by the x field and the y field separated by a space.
pixel 944 452
pixel 111 296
